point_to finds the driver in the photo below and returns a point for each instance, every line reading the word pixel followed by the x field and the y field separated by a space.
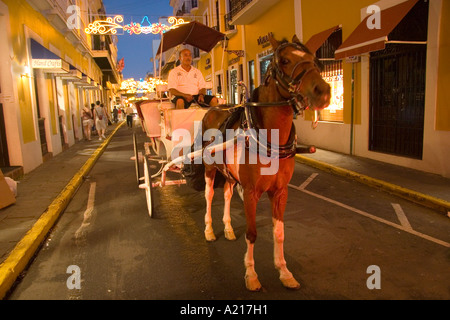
pixel 187 85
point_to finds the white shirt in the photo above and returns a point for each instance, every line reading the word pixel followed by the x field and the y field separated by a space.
pixel 129 111
pixel 186 82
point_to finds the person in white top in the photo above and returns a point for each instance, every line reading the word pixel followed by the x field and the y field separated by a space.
pixel 101 119
pixel 187 85
pixel 130 114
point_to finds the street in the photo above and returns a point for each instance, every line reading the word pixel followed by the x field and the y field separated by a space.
pixel 343 240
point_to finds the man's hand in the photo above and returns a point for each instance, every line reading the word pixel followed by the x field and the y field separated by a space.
pixel 189 97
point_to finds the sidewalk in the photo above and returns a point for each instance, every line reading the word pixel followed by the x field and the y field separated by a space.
pixel 42 195
pixel 45 192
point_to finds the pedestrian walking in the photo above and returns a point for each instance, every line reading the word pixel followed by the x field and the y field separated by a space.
pixel 130 114
pixel 86 118
pixel 115 114
pixel 101 118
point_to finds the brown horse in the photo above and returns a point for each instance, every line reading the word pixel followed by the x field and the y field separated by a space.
pixel 293 83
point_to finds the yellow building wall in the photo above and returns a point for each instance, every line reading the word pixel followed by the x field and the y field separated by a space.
pixel 443 92
pixel 346 13
pixel 279 20
pixel 22 14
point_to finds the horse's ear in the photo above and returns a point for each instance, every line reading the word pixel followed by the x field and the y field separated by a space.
pixel 295 39
pixel 273 41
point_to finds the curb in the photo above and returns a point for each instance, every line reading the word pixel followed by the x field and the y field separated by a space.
pixel 428 201
pixel 25 249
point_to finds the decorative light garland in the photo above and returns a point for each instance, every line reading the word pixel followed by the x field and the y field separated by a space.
pixel 111 24
pixel 132 86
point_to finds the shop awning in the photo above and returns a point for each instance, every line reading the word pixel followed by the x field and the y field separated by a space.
pixel 364 40
pixel 73 75
pixel 42 58
pixel 317 40
pixel 85 81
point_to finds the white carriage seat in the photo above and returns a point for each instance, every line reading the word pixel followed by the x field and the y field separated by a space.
pixel 151 118
pixel 185 119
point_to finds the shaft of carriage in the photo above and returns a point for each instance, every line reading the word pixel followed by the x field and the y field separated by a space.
pixel 191 156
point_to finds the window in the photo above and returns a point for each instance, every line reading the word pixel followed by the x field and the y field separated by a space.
pixel 219 84
pixel 234 92
pixel 217 16
pixel 334 75
pixel 251 77
pixel 264 63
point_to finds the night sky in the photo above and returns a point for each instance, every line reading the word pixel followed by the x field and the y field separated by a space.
pixel 137 49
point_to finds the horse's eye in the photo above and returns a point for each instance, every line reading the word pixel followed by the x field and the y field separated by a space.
pixel 285 61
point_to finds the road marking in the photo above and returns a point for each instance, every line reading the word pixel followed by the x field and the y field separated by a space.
pixel 401 216
pixel 88 212
pixel 308 181
pixel 371 216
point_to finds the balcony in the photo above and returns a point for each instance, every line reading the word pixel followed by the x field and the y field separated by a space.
pixel 246 11
pixel 104 53
pixel 55 11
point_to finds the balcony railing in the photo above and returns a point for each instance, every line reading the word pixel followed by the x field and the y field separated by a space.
pixel 228 18
pixel 236 6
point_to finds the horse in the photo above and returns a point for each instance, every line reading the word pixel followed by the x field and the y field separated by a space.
pixel 292 84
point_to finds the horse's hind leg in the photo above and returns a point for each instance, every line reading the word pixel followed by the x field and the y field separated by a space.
pixel 228 194
pixel 286 276
pixel 210 173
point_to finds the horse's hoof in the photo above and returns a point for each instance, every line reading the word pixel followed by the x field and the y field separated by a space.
pixel 209 236
pixel 229 235
pixel 290 283
pixel 253 284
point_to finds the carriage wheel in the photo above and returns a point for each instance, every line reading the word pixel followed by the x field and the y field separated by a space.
pixel 240 191
pixel 148 187
pixel 136 156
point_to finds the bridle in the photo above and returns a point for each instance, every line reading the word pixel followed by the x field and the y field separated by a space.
pixel 289 83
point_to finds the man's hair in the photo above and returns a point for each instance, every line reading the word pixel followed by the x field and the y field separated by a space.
pixel 185 49
pixel 98 103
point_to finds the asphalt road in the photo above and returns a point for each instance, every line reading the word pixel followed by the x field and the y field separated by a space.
pixel 343 240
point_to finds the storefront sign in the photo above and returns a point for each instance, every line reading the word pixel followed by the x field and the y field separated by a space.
pixel 51 65
pixel 46 63
pixel 264 41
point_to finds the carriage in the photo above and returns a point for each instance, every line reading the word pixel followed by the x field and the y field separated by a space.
pixel 167 129
pixel 293 83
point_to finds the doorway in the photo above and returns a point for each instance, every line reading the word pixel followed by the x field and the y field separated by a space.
pixel 397 88
pixel 4 156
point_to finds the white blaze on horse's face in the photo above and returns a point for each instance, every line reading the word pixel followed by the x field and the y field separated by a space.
pixel 299 53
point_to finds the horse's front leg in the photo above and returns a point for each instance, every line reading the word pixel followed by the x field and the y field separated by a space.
pixel 279 200
pixel 251 277
pixel 228 194
pixel 210 174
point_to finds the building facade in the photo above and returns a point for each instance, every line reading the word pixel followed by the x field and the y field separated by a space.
pixel 50 69
pixel 386 62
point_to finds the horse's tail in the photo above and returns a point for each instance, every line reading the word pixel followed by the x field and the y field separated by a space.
pixel 195 176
